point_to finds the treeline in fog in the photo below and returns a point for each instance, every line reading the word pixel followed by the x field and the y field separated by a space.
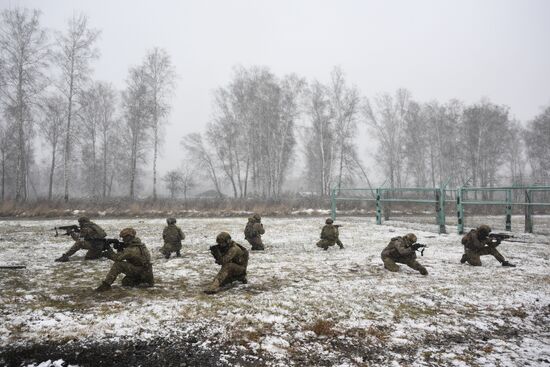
pixel 64 134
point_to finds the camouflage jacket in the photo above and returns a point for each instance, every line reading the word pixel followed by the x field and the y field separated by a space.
pixel 253 229
pixel 135 252
pixel 235 253
pixel 91 231
pixel 172 234
pixel 398 248
pixel 329 232
pixel 472 242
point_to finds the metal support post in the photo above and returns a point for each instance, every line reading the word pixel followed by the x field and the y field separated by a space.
pixel 508 210
pixel 459 211
pixel 378 208
pixel 440 197
pixel 528 212
pixel 333 204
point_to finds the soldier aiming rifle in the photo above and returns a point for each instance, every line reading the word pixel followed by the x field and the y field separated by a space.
pixel 69 230
pixel 480 242
pixel 87 236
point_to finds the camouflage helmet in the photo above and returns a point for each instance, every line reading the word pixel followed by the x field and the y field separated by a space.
pixel 484 229
pixel 329 221
pixel 257 217
pixel 171 220
pixel 411 237
pixel 223 237
pixel 127 232
pixel 251 219
pixel 83 219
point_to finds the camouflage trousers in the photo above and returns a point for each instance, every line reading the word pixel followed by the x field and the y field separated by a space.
pixel 94 250
pixel 229 273
pixel 473 256
pixel 256 243
pixel 390 264
pixel 325 244
pixel 135 275
pixel 168 248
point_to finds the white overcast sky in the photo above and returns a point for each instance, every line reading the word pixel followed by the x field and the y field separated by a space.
pixel 436 49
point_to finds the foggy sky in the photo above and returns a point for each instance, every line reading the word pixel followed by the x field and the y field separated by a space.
pixel 436 49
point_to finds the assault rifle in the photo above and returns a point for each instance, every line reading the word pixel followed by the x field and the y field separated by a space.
pixel 337 225
pixel 216 251
pixel 417 246
pixel 117 244
pixel 13 267
pixel 68 230
pixel 497 238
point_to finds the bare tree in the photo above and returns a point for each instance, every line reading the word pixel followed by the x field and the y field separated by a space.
pixel 160 78
pixel 486 133
pixel 6 149
pixel 320 145
pixel 174 182
pixel 75 53
pixel 419 153
pixel 188 176
pixel 107 130
pixel 194 146
pixel 137 118
pixel 24 55
pixel 515 153
pixel 52 130
pixel 345 104
pixel 387 122
pixel 537 138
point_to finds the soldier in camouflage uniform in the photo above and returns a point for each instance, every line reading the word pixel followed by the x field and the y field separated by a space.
pixel 90 237
pixel 172 236
pixel 253 232
pixel 233 258
pixel 400 250
pixel 477 243
pixel 134 261
pixel 329 236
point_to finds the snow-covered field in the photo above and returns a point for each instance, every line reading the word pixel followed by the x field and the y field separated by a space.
pixel 302 305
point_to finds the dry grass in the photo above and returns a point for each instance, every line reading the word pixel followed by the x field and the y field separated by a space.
pixel 517 312
pixel 322 328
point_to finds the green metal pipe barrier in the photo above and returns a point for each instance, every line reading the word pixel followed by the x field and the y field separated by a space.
pixel 440 201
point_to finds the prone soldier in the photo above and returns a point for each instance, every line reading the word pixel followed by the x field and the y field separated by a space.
pixel 232 257
pixel 329 235
pixel 134 261
pixel 402 250
pixel 478 243
pixel 89 237
pixel 253 232
pixel 172 236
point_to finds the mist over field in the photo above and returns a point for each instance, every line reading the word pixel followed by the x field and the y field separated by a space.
pixel 271 99
pixel 392 118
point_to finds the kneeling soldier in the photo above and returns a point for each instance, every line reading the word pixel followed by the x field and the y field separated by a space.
pixel 134 261
pixel 477 243
pixel 88 237
pixel 329 235
pixel 232 257
pixel 172 236
pixel 253 232
pixel 402 250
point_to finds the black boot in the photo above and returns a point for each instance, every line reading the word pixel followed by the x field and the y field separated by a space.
pixel 178 254
pixel 103 287
pixel 506 263
pixel 64 258
pixel 464 259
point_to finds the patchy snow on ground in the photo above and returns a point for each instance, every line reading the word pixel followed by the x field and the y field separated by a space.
pixel 301 306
